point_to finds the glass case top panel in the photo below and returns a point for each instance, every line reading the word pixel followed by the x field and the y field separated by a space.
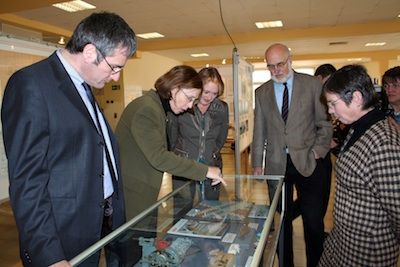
pixel 185 228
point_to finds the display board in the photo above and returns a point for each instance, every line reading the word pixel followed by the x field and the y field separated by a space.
pixel 239 96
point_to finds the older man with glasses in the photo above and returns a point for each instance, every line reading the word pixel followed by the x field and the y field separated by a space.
pixel 292 126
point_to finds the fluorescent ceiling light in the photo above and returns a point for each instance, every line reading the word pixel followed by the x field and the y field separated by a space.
pixel 150 35
pixel 355 59
pixel 375 44
pixel 254 58
pixel 73 6
pixel 200 55
pixel 269 24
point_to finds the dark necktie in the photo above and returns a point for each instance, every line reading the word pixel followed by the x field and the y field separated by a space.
pixel 285 103
pixel 108 157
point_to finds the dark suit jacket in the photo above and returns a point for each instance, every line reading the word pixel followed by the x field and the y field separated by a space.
pixel 55 162
pixel 307 127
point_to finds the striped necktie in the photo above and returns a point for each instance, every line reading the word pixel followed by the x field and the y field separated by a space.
pixel 285 103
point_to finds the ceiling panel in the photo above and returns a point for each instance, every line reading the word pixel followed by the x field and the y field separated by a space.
pixel 196 26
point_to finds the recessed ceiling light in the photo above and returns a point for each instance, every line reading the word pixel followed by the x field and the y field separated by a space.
pixel 269 24
pixel 355 59
pixel 150 35
pixel 62 40
pixel 200 55
pixel 73 6
pixel 375 44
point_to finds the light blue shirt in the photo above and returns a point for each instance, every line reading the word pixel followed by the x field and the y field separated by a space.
pixel 278 89
pixel 77 80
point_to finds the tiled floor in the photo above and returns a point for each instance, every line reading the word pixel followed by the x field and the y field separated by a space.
pixel 9 254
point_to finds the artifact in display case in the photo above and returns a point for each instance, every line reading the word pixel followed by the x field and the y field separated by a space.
pixel 235 227
pixel 259 211
pixel 220 259
pixel 196 228
pixel 216 210
pixel 161 253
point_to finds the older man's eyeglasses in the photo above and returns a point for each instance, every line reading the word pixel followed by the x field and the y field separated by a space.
pixel 279 65
pixel 114 69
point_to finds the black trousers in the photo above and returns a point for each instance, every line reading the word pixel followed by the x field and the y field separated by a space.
pixel 327 163
pixel 310 193
pixel 93 260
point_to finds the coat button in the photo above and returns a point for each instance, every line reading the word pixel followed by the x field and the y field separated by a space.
pixel 27 256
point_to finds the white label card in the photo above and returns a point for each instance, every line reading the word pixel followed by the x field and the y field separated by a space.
pixel 229 238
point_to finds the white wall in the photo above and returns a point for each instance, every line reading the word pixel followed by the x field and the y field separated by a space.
pixel 3 167
pixel 10 62
pixel 394 63
pixel 141 73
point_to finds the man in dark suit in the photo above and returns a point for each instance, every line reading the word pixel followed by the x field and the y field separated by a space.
pixel 65 183
pixel 291 124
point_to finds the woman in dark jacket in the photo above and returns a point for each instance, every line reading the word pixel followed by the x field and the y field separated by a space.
pixel 201 133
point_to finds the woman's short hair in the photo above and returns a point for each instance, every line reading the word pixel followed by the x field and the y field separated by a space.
pixel 349 79
pixel 391 75
pixel 181 76
pixel 325 70
pixel 211 74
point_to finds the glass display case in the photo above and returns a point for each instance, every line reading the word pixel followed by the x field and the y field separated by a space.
pixel 241 228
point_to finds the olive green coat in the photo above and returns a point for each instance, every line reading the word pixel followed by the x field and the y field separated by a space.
pixel 142 138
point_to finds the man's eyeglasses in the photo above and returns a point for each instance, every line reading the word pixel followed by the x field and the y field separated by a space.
pixel 280 65
pixel 189 98
pixel 114 69
pixel 393 85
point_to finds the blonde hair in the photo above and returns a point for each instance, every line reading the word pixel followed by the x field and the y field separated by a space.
pixel 211 74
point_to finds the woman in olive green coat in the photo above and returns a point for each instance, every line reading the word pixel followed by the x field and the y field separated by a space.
pixel 142 137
